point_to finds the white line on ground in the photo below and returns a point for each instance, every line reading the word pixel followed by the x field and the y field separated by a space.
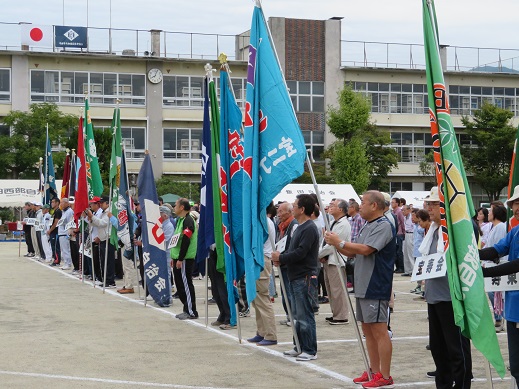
pixel 103 380
pixel 309 365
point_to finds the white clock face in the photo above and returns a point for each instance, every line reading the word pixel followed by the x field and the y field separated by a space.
pixel 155 76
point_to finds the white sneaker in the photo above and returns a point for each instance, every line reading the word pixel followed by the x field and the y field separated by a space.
pixel 306 357
pixel 98 283
pixel 66 267
pixel 291 353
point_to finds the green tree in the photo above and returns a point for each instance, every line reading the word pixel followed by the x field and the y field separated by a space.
pixel 175 185
pixel 489 155
pixel 350 122
pixel 426 168
pixel 20 152
pixel 347 158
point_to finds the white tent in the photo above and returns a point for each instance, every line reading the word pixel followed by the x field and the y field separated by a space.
pixel 327 192
pixel 15 193
pixel 414 197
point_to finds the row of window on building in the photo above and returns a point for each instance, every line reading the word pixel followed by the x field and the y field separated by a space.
pixel 413 99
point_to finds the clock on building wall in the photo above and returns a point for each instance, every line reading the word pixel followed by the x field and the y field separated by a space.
pixel 155 76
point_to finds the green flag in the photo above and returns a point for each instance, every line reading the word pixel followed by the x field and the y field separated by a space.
pixel 115 168
pixel 469 301
pixel 95 184
pixel 215 158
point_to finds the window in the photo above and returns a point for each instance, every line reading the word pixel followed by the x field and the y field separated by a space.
pixel 183 91
pixel 398 186
pixel 464 100
pixel 134 141
pixel 395 98
pixel 102 88
pixel 5 85
pixel 182 143
pixel 307 96
pixel 5 130
pixel 411 146
pixel 314 140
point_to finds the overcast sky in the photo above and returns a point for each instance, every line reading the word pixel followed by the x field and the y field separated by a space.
pixel 477 23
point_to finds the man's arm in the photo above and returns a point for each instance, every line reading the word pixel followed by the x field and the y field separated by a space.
pixel 349 249
pixel 504 269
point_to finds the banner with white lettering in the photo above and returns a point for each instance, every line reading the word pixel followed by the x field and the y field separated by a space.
pixel 70 36
pixel 429 266
pixel 154 256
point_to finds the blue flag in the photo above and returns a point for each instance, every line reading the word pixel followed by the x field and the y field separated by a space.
pixel 274 145
pixel 50 176
pixel 124 212
pixel 206 231
pixel 231 182
pixel 154 256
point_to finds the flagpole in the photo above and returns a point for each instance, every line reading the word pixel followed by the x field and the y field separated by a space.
pixel 41 172
pixel 108 235
pixel 46 167
pixel 258 4
pixel 72 158
pixel 82 249
pixel 206 293
pixel 130 198
pixel 341 275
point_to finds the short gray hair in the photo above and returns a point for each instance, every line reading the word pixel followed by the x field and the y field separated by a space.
pixel 343 205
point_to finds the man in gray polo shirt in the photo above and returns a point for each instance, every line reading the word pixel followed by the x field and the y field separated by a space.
pixel 374 263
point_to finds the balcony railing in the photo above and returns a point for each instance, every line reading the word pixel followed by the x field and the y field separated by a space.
pixel 411 56
pixel 131 42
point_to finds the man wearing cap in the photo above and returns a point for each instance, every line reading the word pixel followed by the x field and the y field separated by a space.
pixel 67 214
pixel 509 245
pixel 53 232
pixel 104 221
pixel 95 210
pixel 449 348
pixel 183 254
pixel 45 240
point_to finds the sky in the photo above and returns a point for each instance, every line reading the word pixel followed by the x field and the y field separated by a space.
pixel 475 23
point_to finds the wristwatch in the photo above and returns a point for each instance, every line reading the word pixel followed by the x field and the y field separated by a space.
pixel 341 244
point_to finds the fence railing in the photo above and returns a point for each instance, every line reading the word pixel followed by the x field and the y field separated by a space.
pixel 412 56
pixel 121 41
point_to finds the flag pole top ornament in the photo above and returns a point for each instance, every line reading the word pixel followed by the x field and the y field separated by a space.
pixel 222 58
pixel 209 71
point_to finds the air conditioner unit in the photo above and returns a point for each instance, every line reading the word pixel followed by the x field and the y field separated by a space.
pixel 129 52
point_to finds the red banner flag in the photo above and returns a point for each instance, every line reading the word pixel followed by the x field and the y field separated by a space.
pixel 81 198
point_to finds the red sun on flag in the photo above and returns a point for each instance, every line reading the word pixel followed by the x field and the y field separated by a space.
pixel 36 34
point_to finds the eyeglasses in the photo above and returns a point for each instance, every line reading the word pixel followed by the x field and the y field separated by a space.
pixel 433 203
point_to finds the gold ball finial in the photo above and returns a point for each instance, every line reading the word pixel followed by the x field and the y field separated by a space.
pixel 222 58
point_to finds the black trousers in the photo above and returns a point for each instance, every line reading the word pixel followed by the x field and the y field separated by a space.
pixel 56 249
pixel 110 262
pixel 184 282
pixel 219 289
pixel 74 253
pixel 28 239
pixel 97 262
pixel 450 349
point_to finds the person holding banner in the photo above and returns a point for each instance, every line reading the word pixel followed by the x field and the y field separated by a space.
pixel 449 348
pixel 509 245
pixel 374 254
pixel 53 232
pixel 45 240
pixel 301 264
pixel 67 214
pixel 38 228
pixel 183 252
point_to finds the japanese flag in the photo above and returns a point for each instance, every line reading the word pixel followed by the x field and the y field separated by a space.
pixel 37 36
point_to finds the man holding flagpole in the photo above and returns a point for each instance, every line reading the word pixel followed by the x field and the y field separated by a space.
pixel 301 262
